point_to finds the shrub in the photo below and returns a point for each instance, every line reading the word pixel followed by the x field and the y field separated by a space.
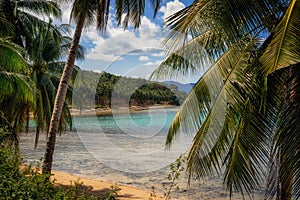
pixel 28 183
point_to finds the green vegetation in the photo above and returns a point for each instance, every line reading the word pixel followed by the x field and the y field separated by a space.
pixel 30 60
pixel 124 91
pixel 28 183
pixel 176 169
pixel 244 111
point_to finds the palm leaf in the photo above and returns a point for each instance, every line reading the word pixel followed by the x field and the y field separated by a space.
pixel 41 7
pixel 208 89
pixel 204 15
pixel 17 85
pixel 12 57
pixel 284 50
pixel 193 56
pixel 287 131
pixel 131 11
pixel 240 144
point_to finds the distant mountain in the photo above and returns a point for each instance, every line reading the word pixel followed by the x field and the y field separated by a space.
pixel 187 87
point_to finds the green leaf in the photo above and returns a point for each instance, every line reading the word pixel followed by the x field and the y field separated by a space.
pixel 284 49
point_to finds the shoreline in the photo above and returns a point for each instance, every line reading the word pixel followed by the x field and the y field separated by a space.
pixel 120 110
pixel 99 187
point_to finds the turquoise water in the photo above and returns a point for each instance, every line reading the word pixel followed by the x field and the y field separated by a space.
pixel 129 143
pixel 132 143
pixel 123 148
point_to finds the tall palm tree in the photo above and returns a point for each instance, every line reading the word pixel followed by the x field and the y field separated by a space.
pixel 23 16
pixel 48 46
pixel 244 109
pixel 84 13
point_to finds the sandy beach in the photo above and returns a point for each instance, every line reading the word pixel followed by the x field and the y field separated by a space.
pixel 99 187
pixel 121 110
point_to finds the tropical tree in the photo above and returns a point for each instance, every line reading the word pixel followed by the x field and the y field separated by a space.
pixel 243 111
pixel 24 17
pixel 16 87
pixel 84 12
pixel 46 52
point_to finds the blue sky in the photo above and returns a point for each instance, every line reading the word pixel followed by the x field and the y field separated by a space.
pixel 134 53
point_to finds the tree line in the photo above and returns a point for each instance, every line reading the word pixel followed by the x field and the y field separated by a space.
pixel 105 90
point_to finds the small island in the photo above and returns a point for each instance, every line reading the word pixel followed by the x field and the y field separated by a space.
pixel 104 93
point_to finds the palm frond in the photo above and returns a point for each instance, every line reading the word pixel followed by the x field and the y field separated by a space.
pixel 275 103
pixel 17 85
pixel 12 57
pixel 83 9
pixel 246 161
pixel 209 88
pixel 230 131
pixel 65 46
pixel 193 56
pixel 7 28
pixel 41 7
pixel 133 11
pixel 288 130
pixel 283 50
pixel 204 15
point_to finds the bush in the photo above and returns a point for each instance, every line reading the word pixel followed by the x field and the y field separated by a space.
pixel 28 183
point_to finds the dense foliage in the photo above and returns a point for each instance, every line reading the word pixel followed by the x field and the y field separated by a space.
pixel 106 90
pixel 26 182
pixel 244 111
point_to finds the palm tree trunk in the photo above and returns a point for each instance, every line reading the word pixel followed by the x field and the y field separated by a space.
pixel 37 135
pixel 27 119
pixel 60 96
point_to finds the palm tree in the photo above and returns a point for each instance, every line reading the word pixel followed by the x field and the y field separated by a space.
pixel 83 13
pixel 16 87
pixel 46 50
pixel 244 110
pixel 23 15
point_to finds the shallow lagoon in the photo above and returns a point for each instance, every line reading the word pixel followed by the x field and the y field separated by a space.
pixel 126 148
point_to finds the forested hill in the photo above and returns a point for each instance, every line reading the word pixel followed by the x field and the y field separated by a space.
pixel 107 90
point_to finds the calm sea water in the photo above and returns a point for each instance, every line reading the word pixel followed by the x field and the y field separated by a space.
pixel 124 148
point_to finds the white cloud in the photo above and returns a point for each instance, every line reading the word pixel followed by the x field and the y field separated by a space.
pixel 143 58
pixel 66 14
pixel 161 54
pixel 171 8
pixel 113 45
pixel 149 63
pixel 156 63
pixel 117 42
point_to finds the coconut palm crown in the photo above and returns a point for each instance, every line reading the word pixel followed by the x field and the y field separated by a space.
pixel 243 112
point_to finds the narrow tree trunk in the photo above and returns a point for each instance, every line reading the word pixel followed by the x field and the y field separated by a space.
pixel 37 135
pixel 60 97
pixel 27 119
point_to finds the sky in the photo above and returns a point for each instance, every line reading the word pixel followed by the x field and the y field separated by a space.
pixel 133 53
